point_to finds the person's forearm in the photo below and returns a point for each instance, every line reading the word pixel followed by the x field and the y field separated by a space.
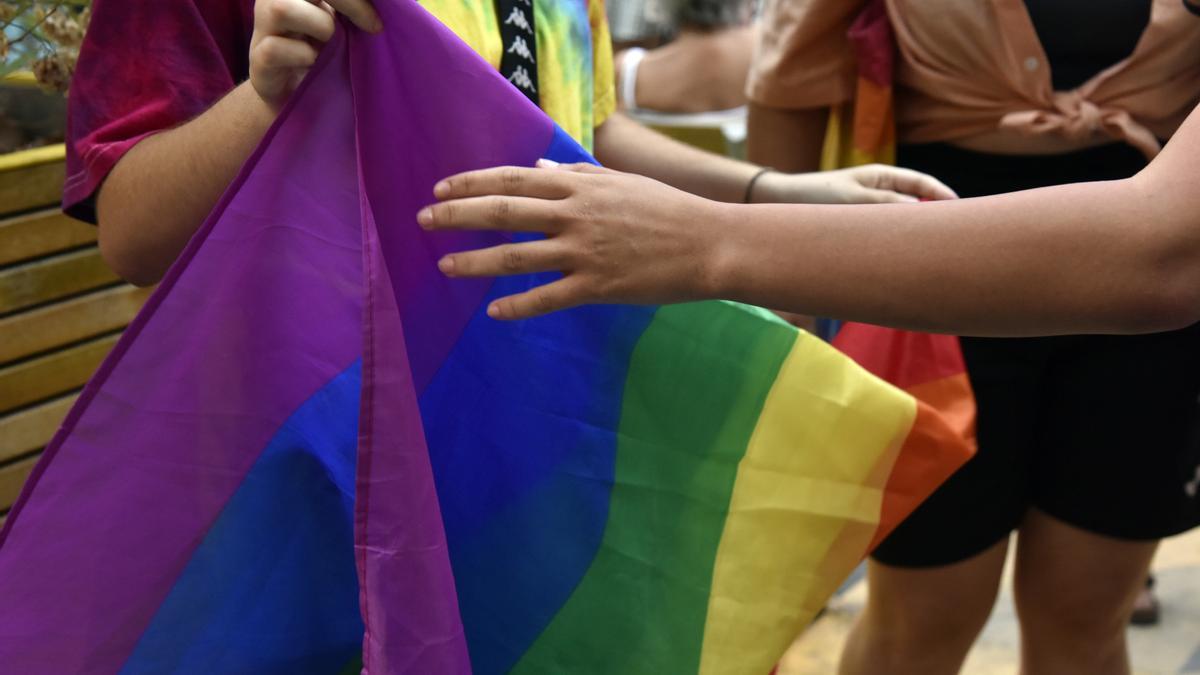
pixel 159 193
pixel 1120 256
pixel 624 145
pixel 787 140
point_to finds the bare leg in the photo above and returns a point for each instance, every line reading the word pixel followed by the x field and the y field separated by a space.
pixel 1074 593
pixel 923 621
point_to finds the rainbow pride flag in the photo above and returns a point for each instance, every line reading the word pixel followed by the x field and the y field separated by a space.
pixel 312 453
pixel 928 366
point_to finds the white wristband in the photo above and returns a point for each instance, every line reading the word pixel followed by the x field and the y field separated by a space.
pixel 629 69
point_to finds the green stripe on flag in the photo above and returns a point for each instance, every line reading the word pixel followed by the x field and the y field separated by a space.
pixel 696 384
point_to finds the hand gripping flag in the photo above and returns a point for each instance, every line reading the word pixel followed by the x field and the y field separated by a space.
pixel 312 453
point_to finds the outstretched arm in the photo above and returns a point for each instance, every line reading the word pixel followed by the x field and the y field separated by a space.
pixel 625 145
pixel 1120 256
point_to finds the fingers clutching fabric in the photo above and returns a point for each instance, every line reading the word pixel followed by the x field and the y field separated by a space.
pixel 287 37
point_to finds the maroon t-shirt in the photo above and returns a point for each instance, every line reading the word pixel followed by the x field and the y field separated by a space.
pixel 144 70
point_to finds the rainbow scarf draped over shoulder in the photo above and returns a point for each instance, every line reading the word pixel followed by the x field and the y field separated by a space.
pixel 313 453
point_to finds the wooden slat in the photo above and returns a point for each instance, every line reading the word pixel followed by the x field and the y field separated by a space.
pixel 51 278
pixel 71 321
pixel 41 233
pixel 22 159
pixel 22 78
pixel 31 178
pixel 12 477
pixel 711 139
pixel 47 376
pixel 31 429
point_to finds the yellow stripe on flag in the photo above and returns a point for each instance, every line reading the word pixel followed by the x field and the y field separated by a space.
pixel 760 599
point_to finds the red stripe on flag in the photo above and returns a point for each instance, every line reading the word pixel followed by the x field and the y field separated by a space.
pixel 904 358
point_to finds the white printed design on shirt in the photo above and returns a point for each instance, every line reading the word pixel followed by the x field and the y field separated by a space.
pixel 520 77
pixel 517 18
pixel 521 48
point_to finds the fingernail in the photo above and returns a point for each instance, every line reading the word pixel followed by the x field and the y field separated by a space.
pixel 441 189
pixel 546 163
pixel 425 217
pixel 493 311
pixel 446 265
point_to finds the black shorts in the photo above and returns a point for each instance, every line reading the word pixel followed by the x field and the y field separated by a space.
pixel 1097 431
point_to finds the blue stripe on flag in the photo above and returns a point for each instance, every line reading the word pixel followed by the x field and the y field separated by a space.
pixel 549 501
pixel 546 502
pixel 565 150
pixel 234 610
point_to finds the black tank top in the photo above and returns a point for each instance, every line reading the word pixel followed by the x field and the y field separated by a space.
pixel 1081 38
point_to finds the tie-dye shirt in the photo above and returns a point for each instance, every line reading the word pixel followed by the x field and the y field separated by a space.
pixel 187 54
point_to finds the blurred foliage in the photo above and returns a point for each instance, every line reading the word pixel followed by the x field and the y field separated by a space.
pixel 43 37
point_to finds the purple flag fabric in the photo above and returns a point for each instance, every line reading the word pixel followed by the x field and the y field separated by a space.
pixel 284 289
pixel 313 453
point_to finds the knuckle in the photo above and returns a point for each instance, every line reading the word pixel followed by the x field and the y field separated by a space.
pixel 277 12
pixel 571 256
pixel 542 302
pixel 510 178
pixel 260 57
pixel 270 50
pixel 444 213
pixel 512 259
pixel 501 209
pixel 261 11
pixel 579 210
pixel 558 219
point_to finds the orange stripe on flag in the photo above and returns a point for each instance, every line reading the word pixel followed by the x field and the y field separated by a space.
pixel 931 369
pixel 953 399
pixel 933 451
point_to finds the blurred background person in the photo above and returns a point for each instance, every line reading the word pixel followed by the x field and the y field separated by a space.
pixel 682 56
pixel 1083 439
pixel 681 67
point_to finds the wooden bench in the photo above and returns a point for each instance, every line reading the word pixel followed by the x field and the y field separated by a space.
pixel 61 311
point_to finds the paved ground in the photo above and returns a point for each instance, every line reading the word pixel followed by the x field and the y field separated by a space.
pixel 1171 648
